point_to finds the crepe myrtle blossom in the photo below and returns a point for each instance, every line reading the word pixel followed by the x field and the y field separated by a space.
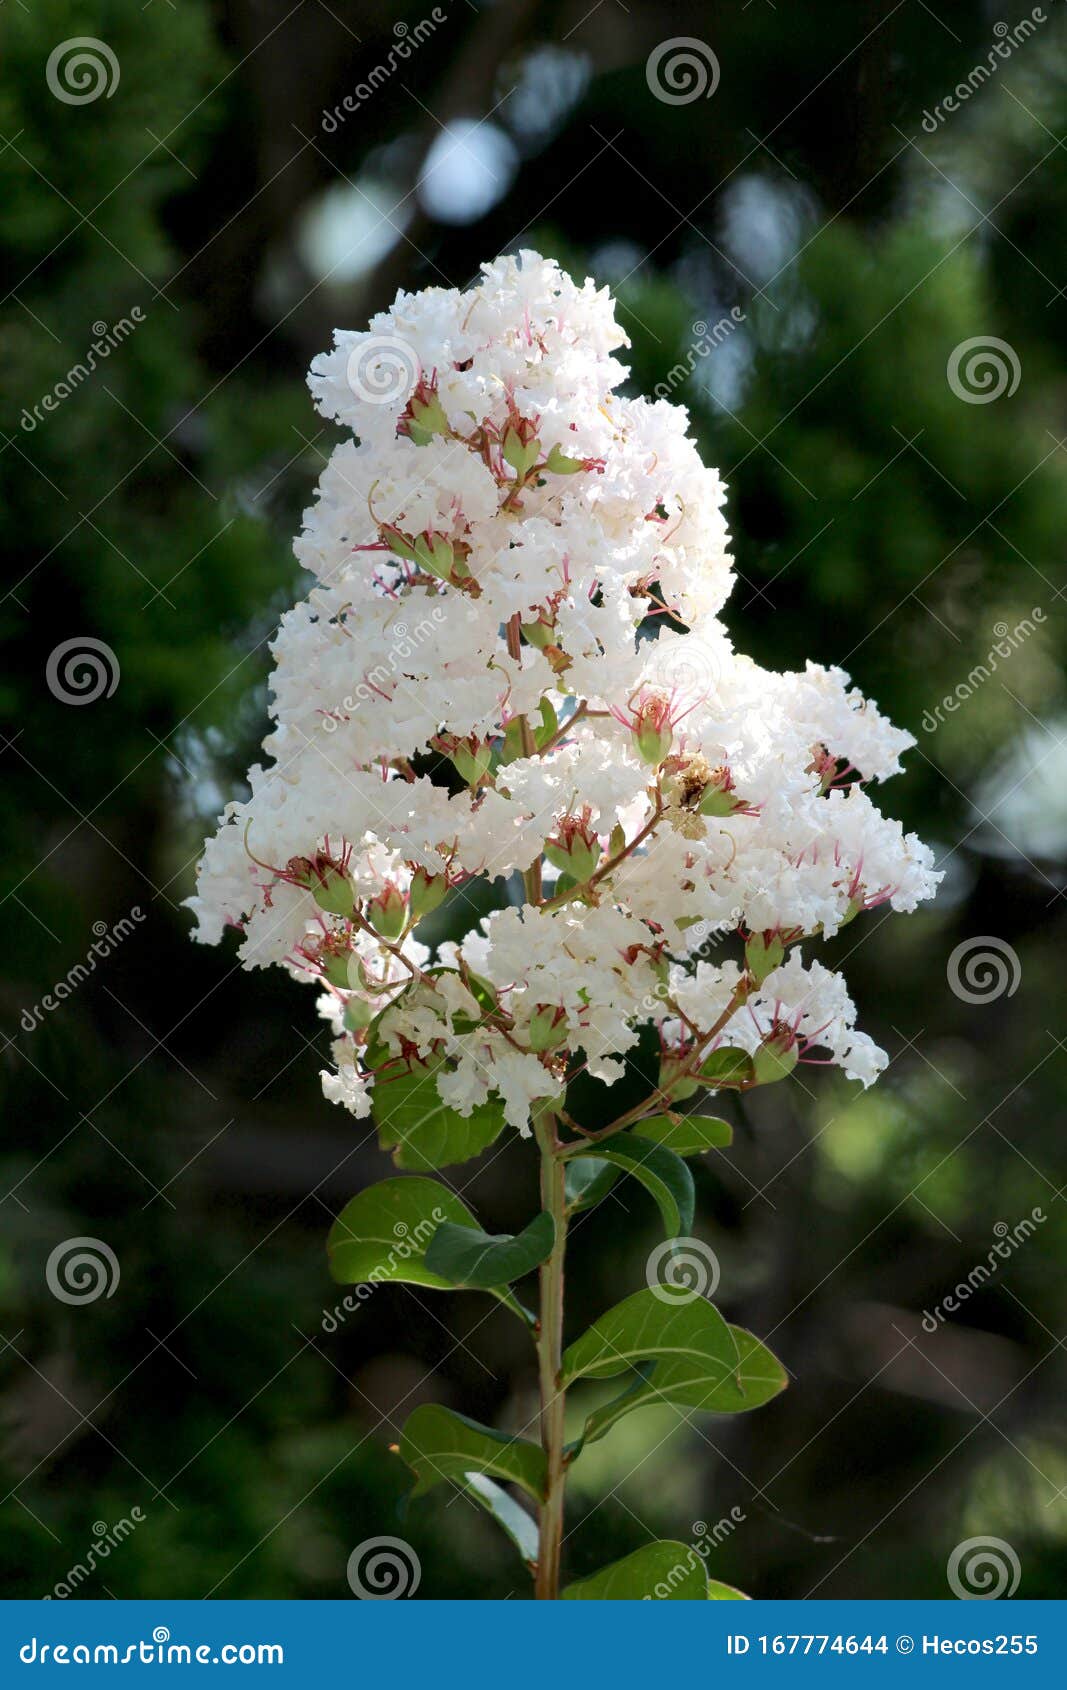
pixel 550 521
pixel 635 796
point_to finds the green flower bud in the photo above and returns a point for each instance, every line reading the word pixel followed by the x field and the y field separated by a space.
pixel 387 911
pixel 399 543
pixel 538 634
pixel 548 1027
pixel 335 967
pixel 763 954
pixel 716 802
pixel 424 414
pixel 719 797
pixel 300 871
pixel 426 420
pixel 855 907
pixel 521 448
pixel 776 1057
pixel 560 464
pixel 333 893
pixel 652 729
pixel 427 893
pixel 435 554
pixel 575 848
pixel 358 1014
pixel 472 759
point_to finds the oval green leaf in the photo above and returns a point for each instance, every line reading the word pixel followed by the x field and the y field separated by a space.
pixel 645 1328
pixel 383 1236
pixel 760 1374
pixel 660 1171
pixel 586 1180
pixel 462 1256
pixel 686 1135
pixel 693 1381
pixel 384 1232
pixel 727 1068
pixel 438 1445
pixel 420 1130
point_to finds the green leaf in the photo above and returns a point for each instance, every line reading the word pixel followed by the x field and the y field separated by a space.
pixel 438 1444
pixel 511 748
pixel 549 723
pixel 726 1068
pixel 420 1130
pixel 686 1135
pixel 586 1180
pixel 383 1233
pixel 509 1514
pixel 465 1257
pixel 560 463
pixel 646 1328
pixel 663 1173
pixel 603 1418
pixel 662 1571
pixel 760 1374
pixel 692 1379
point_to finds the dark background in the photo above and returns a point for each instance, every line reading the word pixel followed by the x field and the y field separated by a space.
pixel 171 1106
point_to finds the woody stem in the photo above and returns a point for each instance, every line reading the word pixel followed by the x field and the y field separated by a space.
pixel 549 1355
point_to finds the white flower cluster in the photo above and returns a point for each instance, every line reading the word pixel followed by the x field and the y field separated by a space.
pixel 511 664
